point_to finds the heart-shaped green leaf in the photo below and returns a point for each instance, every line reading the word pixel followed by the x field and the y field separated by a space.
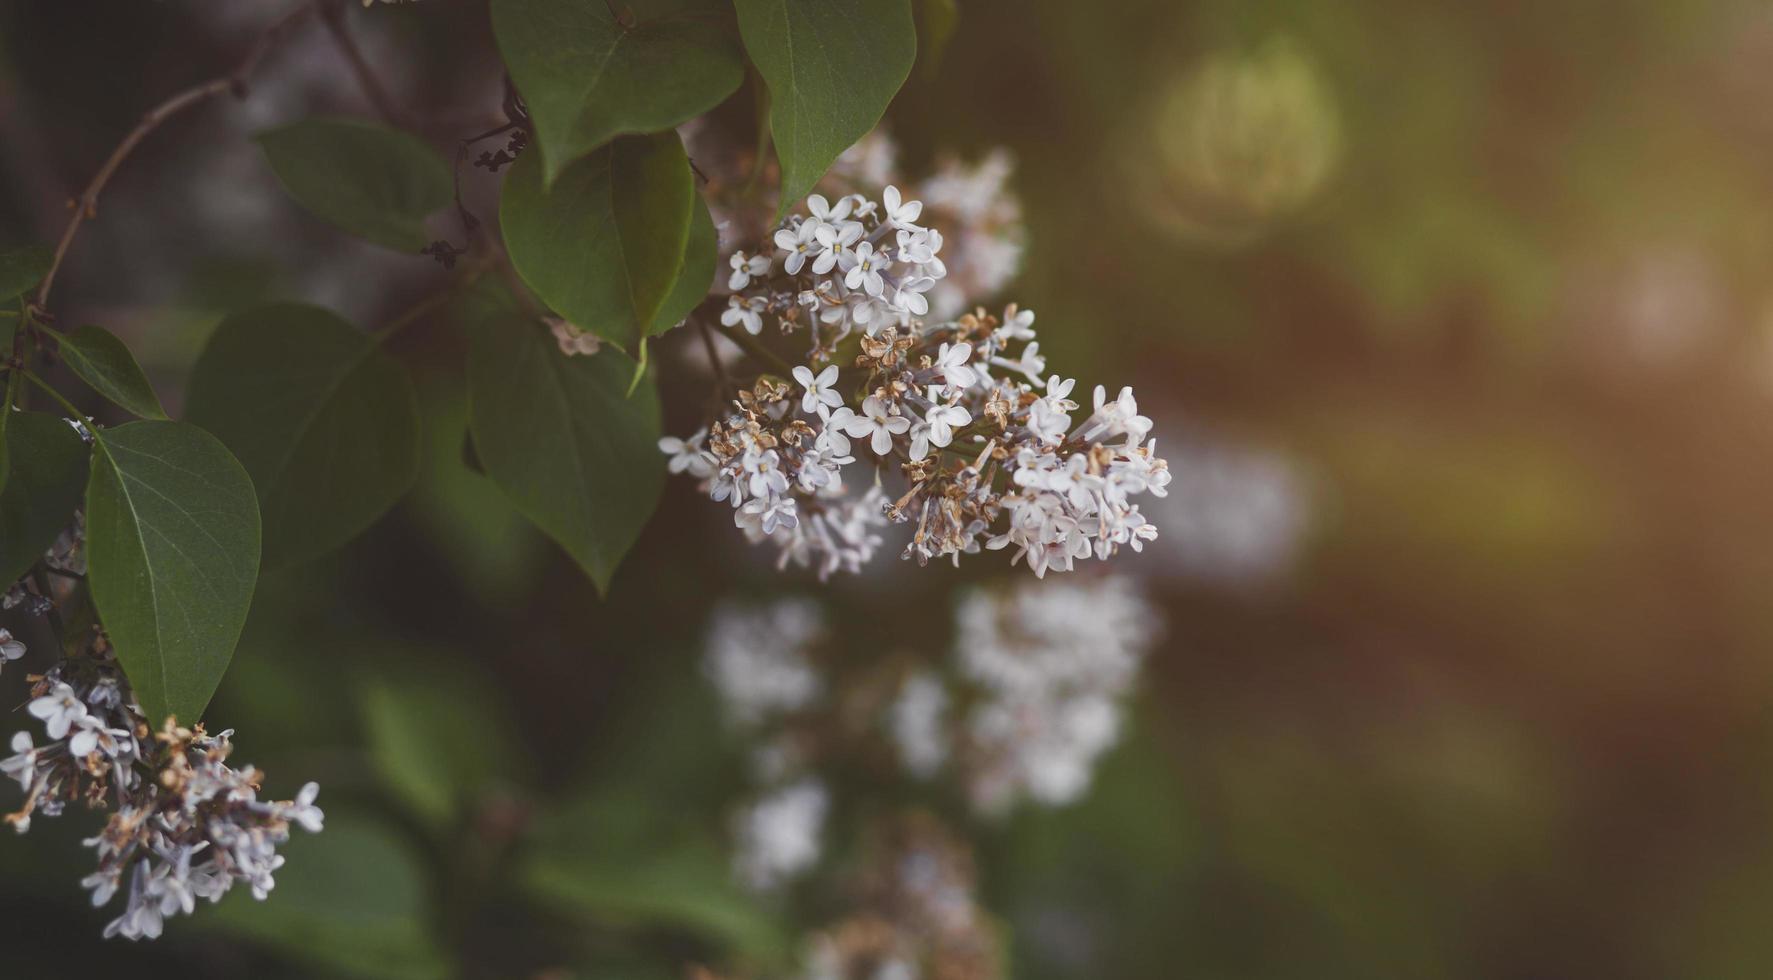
pixel 558 436
pixel 47 463
pixel 22 268
pixel 172 554
pixel 700 256
pixel 604 245
pixel 586 78
pixel 324 421
pixel 831 66
pixel 372 181
pixel 102 361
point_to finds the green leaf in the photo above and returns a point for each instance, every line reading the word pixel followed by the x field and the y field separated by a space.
pixel 326 423
pixel 586 79
pixel 47 461
pixel 436 740
pixel 372 181
pixel 831 66
pixel 700 256
pixel 491 549
pixel 22 268
pixel 172 542
pixel 557 435
pixel 615 857
pixel 102 361
pixel 604 245
pixel 351 899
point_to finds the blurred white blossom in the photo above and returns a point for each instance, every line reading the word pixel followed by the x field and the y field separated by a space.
pixel 757 659
pixel 1236 515
pixel 573 339
pixel 1052 664
pixel 918 720
pixel 779 836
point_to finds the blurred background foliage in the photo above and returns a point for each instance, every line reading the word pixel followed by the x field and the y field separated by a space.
pixel 1456 322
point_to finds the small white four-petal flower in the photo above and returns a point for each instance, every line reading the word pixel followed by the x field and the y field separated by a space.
pixel 943 419
pixel 744 312
pixel 798 243
pixel 10 648
pixel 837 244
pixel 900 214
pixel 746 268
pixel 865 273
pixel 59 710
pixel 953 360
pixel 818 387
pixel 876 425
pixel 687 455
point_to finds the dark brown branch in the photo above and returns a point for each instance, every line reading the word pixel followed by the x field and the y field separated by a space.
pixel 332 14
pixel 714 364
pixel 752 346
pixel 470 223
pixel 233 83
pixel 434 301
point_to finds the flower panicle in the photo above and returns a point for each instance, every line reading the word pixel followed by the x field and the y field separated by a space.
pixel 993 451
pixel 184 824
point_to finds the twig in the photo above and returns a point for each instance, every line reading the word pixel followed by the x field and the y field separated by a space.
pixel 234 83
pixel 332 14
pixel 431 303
pixel 66 405
pixel 751 346
pixel 720 375
pixel 470 224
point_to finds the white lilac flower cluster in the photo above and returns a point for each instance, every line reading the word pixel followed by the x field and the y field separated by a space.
pixel 186 826
pixel 1044 670
pixel 994 451
pixel 758 661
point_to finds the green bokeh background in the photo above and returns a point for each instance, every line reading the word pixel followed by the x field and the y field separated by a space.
pixel 1507 714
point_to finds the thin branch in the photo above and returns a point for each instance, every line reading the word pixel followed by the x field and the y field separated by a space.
pixel 752 346
pixel 431 303
pixel 233 83
pixel 471 224
pixel 707 333
pixel 332 14
pixel 66 405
